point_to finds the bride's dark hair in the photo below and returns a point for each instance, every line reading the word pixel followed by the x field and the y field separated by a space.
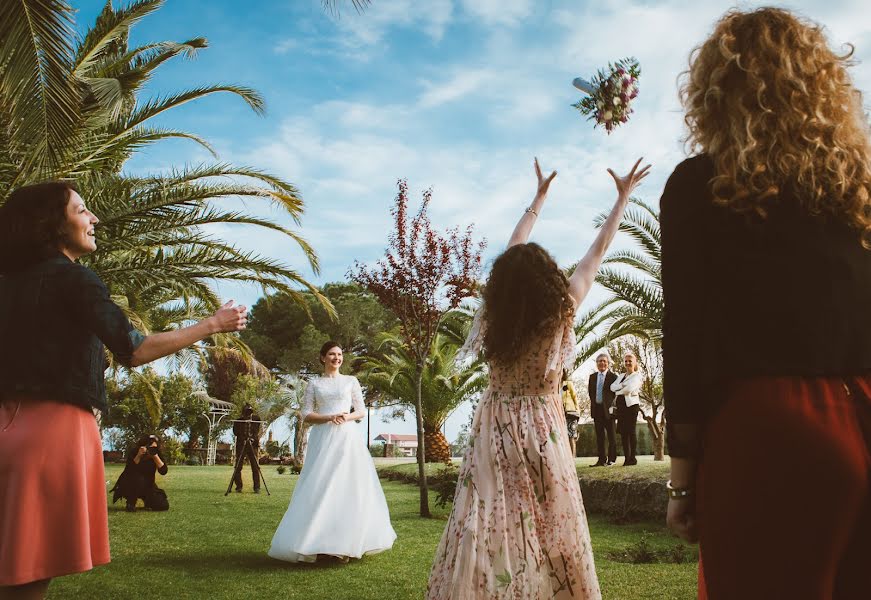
pixel 327 347
pixel 525 298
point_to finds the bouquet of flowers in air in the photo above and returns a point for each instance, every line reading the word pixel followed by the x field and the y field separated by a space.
pixel 611 92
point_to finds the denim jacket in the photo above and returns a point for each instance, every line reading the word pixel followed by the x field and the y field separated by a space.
pixel 55 317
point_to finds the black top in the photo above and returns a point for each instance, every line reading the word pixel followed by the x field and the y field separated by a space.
pixel 55 317
pixel 789 295
pixel 242 429
pixel 137 480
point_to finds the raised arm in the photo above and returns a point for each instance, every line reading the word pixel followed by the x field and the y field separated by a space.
pixel 527 219
pixel 582 279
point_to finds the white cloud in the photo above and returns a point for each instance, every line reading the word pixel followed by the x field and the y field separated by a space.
pixel 371 27
pixel 461 84
pixel 498 12
pixel 285 46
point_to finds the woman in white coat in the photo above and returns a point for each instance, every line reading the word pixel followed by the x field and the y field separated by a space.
pixel 627 388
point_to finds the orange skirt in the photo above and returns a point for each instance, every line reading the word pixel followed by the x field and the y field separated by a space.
pixel 53 517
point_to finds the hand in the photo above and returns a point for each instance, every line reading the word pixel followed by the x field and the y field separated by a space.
pixel 681 518
pixel 626 184
pixel 543 184
pixel 142 451
pixel 337 419
pixel 230 318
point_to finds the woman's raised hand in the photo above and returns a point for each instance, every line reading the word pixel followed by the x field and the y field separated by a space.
pixel 543 183
pixel 629 182
pixel 230 318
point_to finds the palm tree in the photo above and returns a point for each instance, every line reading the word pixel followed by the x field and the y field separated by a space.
pixel 633 311
pixel 634 306
pixel 71 109
pixel 445 385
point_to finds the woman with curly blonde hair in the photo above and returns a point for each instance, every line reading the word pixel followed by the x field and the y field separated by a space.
pixel 518 527
pixel 766 277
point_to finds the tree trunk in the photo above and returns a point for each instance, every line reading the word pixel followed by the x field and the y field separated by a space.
pixel 300 442
pixel 657 434
pixel 438 449
pixel 421 443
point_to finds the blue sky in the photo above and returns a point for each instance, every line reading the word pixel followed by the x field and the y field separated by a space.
pixel 457 95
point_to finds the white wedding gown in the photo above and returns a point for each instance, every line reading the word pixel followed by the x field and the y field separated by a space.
pixel 337 507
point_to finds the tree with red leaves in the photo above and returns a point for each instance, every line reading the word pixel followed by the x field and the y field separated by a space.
pixel 423 275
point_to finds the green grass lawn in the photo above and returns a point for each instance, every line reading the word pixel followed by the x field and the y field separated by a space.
pixel 209 546
pixel 646 468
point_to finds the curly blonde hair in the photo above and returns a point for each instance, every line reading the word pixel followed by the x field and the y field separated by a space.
pixel 776 110
pixel 526 297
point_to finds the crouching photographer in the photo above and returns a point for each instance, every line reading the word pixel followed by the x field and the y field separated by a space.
pixel 137 480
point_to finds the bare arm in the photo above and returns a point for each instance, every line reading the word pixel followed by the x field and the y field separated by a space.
pixel 227 318
pixel 681 513
pixel 527 219
pixel 585 273
pixel 316 418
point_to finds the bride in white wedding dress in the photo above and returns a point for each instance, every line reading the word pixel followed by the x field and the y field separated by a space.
pixel 337 507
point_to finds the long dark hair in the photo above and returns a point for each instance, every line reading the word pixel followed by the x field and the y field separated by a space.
pixel 526 297
pixel 32 224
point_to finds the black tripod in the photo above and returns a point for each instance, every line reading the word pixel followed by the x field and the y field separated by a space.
pixel 247 446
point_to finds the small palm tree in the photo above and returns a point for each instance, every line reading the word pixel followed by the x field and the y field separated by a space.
pixel 445 385
pixel 633 311
pixel 634 306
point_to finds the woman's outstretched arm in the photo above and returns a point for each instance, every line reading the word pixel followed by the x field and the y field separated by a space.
pixel 582 279
pixel 527 219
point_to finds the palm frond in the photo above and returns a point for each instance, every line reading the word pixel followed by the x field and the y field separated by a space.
pixel 36 86
pixel 112 25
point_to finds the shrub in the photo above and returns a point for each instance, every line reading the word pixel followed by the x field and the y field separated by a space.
pixel 172 451
pixel 193 460
pixel 444 484
pixel 281 469
pixel 641 552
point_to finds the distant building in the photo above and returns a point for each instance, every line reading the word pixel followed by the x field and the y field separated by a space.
pixel 407 444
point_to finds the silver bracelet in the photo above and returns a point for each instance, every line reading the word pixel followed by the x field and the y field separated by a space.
pixel 678 493
pixel 529 209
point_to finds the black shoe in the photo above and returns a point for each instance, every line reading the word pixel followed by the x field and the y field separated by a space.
pixel 630 463
pixel 130 508
pixel 610 463
pixel 599 464
pixel 256 490
pixel 238 490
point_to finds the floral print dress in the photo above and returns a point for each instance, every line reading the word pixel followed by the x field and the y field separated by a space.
pixel 518 529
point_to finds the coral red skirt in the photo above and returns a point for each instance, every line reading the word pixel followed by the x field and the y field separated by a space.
pixel 53 517
pixel 784 504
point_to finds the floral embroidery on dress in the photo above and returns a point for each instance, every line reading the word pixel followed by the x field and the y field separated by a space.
pixel 518 529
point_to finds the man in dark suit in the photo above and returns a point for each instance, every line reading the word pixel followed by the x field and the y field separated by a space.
pixel 247 428
pixel 601 401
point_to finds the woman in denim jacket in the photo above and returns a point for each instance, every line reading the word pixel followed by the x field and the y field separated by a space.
pixel 55 317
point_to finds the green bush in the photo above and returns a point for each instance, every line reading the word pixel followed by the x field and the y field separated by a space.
pixel 173 451
pixel 586 445
pixel 642 552
pixel 281 469
pixel 193 460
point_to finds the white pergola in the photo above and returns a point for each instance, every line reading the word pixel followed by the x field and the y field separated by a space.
pixel 218 409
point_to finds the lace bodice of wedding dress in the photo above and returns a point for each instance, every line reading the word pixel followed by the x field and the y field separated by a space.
pixel 332 395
